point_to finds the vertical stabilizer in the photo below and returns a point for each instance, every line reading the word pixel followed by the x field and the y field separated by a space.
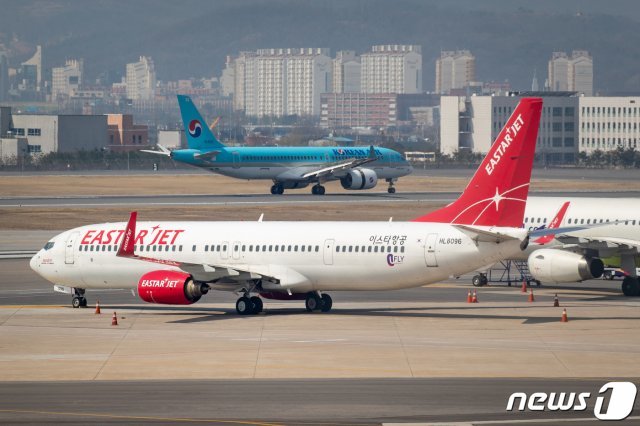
pixel 199 135
pixel 497 193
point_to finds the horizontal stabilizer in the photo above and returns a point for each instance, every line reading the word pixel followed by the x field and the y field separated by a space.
pixel 484 236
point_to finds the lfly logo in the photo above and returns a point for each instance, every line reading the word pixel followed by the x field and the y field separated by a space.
pixel 621 400
pixel 394 260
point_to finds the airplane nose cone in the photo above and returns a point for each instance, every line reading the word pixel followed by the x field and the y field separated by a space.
pixel 33 263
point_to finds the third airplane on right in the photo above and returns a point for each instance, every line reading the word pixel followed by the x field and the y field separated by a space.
pixel 581 255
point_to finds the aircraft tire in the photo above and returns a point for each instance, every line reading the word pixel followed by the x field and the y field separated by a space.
pixel 391 190
pixel 476 281
pixel 327 303
pixel 257 304
pixel 76 302
pixel 83 302
pixel 630 287
pixel 244 306
pixel 312 302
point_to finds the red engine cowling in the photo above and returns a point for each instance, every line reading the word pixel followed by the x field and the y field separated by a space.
pixel 170 288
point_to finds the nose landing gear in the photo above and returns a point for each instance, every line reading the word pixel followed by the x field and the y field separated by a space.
pixel 78 300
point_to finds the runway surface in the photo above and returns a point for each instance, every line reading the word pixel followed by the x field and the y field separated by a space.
pixel 300 402
pixel 264 199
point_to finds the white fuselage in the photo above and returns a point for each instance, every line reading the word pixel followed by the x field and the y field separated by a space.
pixel 305 256
pixel 540 211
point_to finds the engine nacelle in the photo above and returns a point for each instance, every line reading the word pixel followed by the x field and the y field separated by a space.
pixel 170 288
pixel 558 266
pixel 359 179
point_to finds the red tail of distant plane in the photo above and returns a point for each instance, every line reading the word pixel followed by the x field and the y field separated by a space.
pixel 497 193
pixel 555 223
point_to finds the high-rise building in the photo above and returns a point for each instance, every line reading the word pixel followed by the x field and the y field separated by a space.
pixel 581 72
pixel 608 123
pixel 574 74
pixel 392 69
pixel 454 70
pixel 277 82
pixel 141 79
pixel 67 79
pixel 36 61
pixel 346 72
pixel 227 78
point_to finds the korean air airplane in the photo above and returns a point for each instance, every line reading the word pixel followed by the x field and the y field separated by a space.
pixel 287 167
pixel 178 262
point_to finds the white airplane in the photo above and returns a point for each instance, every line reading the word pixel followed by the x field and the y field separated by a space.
pixel 593 230
pixel 179 262
pixel 577 255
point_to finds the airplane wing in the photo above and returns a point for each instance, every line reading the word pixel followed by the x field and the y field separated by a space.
pixel 277 275
pixel 163 151
pixel 342 166
pixel 587 242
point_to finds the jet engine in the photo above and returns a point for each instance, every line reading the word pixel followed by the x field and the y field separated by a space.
pixel 558 266
pixel 359 179
pixel 170 288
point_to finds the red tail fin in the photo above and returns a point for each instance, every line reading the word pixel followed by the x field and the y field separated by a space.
pixel 555 223
pixel 129 237
pixel 497 193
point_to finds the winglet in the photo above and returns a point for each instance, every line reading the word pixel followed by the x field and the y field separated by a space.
pixel 129 237
pixel 555 223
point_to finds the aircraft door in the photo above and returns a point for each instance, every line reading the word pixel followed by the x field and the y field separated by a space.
pixel 69 249
pixel 236 159
pixel 430 250
pixel 236 250
pixel 328 252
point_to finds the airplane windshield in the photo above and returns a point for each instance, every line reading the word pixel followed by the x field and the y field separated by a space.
pixel 49 245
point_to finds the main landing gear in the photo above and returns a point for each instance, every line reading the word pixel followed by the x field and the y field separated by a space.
pixel 78 300
pixel 277 189
pixel 391 189
pixel 479 280
pixel 315 302
pixel 317 189
pixel 249 305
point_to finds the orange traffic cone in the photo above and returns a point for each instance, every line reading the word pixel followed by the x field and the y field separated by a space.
pixel 564 316
pixel 556 303
pixel 97 307
pixel 469 298
pixel 474 298
pixel 531 298
pixel 524 286
pixel 114 320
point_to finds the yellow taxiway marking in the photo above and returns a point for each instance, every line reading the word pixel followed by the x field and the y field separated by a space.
pixel 164 419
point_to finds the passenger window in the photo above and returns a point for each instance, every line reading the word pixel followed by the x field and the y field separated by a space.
pixel 369 249
pixel 193 249
pixel 251 248
pixel 276 247
pixel 180 248
pixel 402 249
pixel 388 249
pixel 244 248
pixel 235 248
pixel 363 248
pixel 295 248
pixel 173 248
pixel 257 247
pixel 282 247
pixel 375 249
pixel 224 248
pixel 271 248
pixel 581 221
pixel 357 248
pixel 288 248
pixel 301 248
pixel 206 248
pixel 264 247
pixel 317 249
pixel 337 249
pixel 395 249
pixel 569 221
pixel 309 248
pixel 350 249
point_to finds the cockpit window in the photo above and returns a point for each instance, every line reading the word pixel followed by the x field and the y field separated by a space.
pixel 48 245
